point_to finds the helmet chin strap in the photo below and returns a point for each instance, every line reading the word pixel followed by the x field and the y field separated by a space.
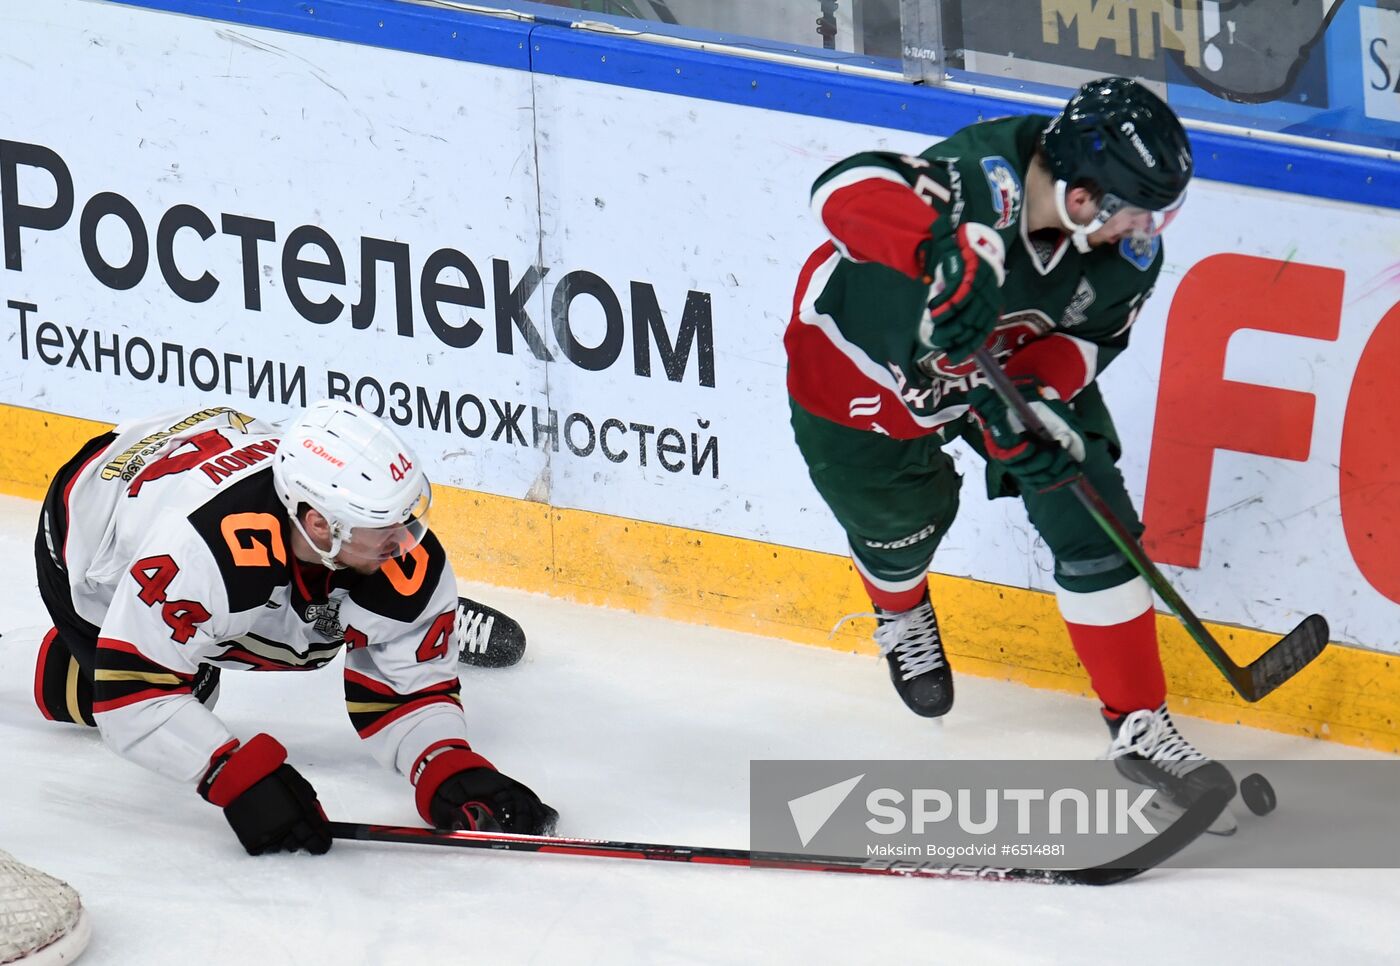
pixel 1079 234
pixel 327 556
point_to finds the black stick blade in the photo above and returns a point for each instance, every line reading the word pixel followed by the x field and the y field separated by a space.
pixel 1299 648
pixel 1188 827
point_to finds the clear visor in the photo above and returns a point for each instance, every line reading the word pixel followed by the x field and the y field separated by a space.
pixel 1117 217
pixel 382 544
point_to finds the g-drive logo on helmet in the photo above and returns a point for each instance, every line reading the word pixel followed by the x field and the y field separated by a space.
pixel 320 451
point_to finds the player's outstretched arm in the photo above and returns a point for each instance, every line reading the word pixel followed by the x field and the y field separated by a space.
pixel 894 209
pixel 404 697
pixel 881 207
pixel 410 715
pixel 165 619
pixel 167 615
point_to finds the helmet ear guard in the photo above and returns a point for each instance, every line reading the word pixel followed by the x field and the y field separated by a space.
pixel 355 472
pixel 1079 234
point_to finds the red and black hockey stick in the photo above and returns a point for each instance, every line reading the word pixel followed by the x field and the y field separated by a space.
pixel 1295 651
pixel 1163 846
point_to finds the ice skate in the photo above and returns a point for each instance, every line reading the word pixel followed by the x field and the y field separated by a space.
pixel 910 642
pixel 1147 749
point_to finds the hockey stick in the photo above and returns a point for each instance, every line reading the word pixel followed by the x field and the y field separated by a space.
pixel 1295 651
pixel 1167 843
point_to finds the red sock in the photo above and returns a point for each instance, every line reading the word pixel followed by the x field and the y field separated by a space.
pixel 895 601
pixel 1117 648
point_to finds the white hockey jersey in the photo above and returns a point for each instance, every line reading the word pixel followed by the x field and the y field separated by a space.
pixel 179 550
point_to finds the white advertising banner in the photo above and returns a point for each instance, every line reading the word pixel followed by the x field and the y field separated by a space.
pixel 582 289
pixel 1380 55
pixel 290 194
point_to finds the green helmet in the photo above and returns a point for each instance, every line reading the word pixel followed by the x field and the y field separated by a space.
pixel 1125 139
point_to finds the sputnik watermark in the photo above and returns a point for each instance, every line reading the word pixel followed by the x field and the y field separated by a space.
pixel 1114 811
pixel 979 815
pixel 980 812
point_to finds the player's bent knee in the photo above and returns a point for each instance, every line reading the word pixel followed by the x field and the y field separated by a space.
pixel 61 691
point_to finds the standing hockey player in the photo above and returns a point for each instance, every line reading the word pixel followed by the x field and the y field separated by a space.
pixel 174 547
pixel 1037 237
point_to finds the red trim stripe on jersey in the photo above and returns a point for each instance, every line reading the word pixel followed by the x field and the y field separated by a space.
pixel 124 676
pixel 384 690
pixel 136 697
pixel 389 717
pixel 260 662
pixel 369 683
pixel 832 378
pixel 816 260
pixel 126 647
pixel 361 690
pixel 380 688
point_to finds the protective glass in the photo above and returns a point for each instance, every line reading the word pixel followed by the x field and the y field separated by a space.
pixel 1116 215
pixel 396 540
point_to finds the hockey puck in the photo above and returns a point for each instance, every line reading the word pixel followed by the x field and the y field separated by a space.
pixel 1258 794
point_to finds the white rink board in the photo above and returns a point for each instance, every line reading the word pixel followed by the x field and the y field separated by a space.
pixel 276 126
pixel 681 195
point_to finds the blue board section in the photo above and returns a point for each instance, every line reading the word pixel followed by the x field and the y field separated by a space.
pixel 396 26
pixel 555 49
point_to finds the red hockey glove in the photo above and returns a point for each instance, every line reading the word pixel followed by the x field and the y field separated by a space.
pixel 270 807
pixel 965 268
pixel 1034 462
pixel 459 789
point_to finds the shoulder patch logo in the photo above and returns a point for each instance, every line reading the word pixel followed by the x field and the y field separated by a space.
pixel 1142 252
pixel 1005 185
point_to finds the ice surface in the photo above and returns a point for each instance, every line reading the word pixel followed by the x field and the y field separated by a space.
pixel 634 728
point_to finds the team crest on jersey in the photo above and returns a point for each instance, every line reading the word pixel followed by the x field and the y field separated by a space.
pixel 1013 331
pixel 1141 250
pixel 1006 190
pixel 326 619
pixel 1077 311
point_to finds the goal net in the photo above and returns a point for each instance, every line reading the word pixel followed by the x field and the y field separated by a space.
pixel 42 921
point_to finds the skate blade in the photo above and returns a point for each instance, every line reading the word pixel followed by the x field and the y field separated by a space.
pixel 1224 825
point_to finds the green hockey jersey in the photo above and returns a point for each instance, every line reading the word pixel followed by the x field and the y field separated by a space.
pixel 857 344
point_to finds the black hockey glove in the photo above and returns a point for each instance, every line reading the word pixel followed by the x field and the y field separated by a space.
pixel 964 268
pixel 270 807
pixel 459 789
pixel 1036 463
